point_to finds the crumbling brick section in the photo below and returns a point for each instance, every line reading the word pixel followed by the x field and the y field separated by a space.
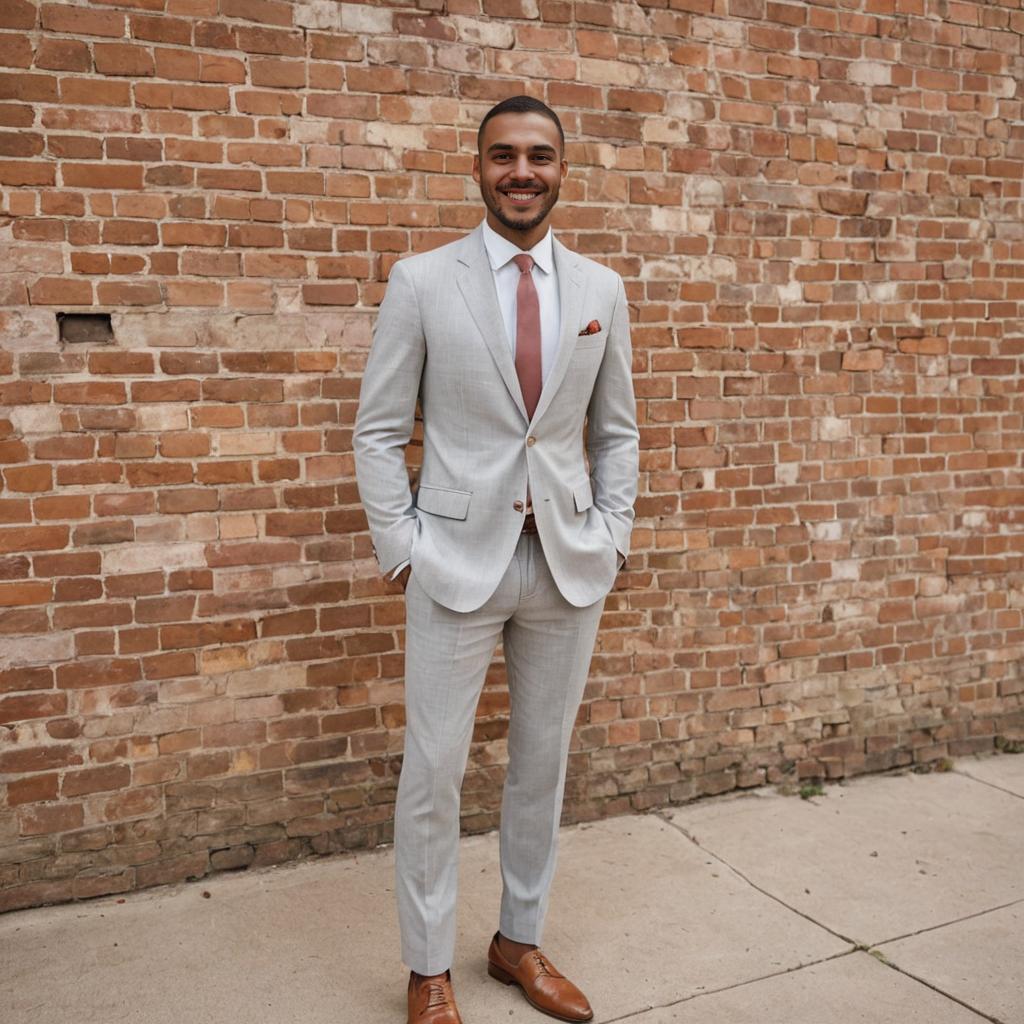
pixel 818 211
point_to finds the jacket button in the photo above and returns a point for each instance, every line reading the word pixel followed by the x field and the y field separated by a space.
pixel 531 441
pixel 517 505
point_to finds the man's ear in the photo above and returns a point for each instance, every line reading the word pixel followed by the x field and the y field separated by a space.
pixel 476 168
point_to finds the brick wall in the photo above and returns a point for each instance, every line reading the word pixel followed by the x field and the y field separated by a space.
pixel 818 211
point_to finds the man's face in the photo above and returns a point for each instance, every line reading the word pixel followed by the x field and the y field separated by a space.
pixel 519 169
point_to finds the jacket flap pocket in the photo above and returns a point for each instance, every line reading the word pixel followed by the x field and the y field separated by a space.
pixel 442 501
pixel 583 496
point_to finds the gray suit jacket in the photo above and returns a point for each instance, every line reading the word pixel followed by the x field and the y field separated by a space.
pixel 440 338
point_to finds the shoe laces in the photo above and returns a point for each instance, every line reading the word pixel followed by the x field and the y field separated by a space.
pixel 542 964
pixel 437 995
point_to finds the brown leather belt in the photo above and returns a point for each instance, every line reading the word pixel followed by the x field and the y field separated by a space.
pixel 529 523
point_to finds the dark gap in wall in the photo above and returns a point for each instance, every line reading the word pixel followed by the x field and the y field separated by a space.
pixel 85 328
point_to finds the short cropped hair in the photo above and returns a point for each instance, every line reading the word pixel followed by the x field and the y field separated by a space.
pixel 520 105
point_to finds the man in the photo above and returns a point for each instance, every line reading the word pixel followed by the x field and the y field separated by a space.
pixel 518 351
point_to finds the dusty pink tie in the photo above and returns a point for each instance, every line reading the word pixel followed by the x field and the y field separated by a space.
pixel 527 334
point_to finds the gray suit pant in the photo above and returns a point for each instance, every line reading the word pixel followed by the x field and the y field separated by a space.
pixel 548 645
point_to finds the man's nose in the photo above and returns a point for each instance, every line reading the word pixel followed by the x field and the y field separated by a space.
pixel 523 168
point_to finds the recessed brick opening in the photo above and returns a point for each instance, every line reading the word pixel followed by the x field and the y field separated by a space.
pixel 85 328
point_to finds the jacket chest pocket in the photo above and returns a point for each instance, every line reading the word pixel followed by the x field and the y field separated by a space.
pixel 589 342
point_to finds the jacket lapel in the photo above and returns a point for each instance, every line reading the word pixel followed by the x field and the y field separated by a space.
pixel 570 297
pixel 476 283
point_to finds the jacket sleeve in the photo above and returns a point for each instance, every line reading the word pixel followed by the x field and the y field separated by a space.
pixel 613 440
pixel 384 422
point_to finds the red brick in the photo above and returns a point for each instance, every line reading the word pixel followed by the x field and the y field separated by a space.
pixel 123 293
pixel 21 708
pixel 169 666
pixel 192 234
pixel 869 359
pixel 108 672
pixel 122 59
pixel 82 21
pixel 129 232
pixel 330 294
pixel 106 176
pixel 18 14
pixel 71 563
pixel 335 47
pixel 13 451
pixel 16 511
pixel 61 507
pixel 216 68
pixel 15 51
pixel 260 40
pixel 242 390
pixel 194 293
pixel 28 479
pixel 121 363
pixel 29 88
pixel 32 789
pixel 96 780
pixel 204 634
pixel 181 97
pixel 305 183
pixel 25 172
pixel 92 393
pixel 33 538
pixel 53 291
pixel 16 115
pixel 43 819
pixel 39 759
pixel 17 679
pixel 27 593
pixel 278 74
pixel 268 12
pixel 510 8
pixel 236 180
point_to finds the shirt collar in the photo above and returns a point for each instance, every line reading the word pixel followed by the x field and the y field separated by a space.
pixel 500 250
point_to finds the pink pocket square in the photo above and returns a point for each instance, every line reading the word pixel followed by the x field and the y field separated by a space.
pixel 594 327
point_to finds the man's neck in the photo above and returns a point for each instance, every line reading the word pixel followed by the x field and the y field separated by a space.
pixel 524 240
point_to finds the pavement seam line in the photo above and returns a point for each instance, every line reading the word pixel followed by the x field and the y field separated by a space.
pixel 944 924
pixel 935 988
pixel 985 782
pixel 764 892
pixel 738 984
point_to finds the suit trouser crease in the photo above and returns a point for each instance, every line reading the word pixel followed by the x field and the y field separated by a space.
pixel 548 647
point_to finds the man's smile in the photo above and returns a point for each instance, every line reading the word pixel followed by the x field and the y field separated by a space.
pixel 520 196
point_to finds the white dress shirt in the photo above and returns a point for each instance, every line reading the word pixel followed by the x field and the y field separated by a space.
pixel 506 280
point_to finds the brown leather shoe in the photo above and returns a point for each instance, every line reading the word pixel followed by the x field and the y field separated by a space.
pixel 545 988
pixel 431 1000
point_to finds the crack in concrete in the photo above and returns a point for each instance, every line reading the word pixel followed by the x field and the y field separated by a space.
pixel 945 924
pixel 727 988
pixel 871 949
pixel 935 988
pixel 800 967
pixel 764 892
pixel 985 782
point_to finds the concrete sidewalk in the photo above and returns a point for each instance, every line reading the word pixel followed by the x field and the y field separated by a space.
pixel 892 899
